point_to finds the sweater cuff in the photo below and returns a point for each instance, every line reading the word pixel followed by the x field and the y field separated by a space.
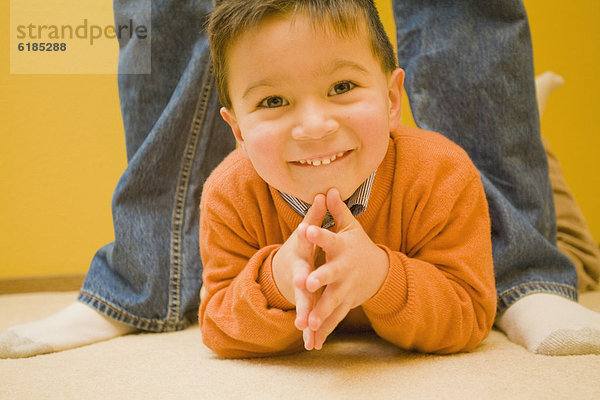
pixel 270 290
pixel 393 290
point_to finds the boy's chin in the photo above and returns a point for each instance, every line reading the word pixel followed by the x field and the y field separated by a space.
pixel 309 196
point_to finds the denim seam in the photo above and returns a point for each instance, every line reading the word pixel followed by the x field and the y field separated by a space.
pixel 118 314
pixel 512 295
pixel 180 199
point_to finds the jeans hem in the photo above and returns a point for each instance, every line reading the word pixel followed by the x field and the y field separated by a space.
pixel 512 295
pixel 112 311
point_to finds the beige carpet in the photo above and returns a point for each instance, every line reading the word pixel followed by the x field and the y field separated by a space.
pixel 178 366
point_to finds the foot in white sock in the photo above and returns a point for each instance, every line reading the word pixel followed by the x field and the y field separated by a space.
pixel 74 326
pixel 552 325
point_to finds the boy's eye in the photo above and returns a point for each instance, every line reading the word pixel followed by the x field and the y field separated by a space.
pixel 341 87
pixel 273 102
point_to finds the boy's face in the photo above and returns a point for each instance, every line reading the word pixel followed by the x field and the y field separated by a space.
pixel 311 110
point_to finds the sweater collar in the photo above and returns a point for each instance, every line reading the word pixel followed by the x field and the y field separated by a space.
pixel 357 203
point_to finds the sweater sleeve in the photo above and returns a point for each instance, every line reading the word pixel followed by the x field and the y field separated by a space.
pixel 439 295
pixel 242 314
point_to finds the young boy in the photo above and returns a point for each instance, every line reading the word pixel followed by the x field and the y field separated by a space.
pixel 330 212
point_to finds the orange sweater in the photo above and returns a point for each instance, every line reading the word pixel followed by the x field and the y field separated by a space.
pixel 427 210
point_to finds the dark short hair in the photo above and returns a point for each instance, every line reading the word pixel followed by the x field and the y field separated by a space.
pixel 231 18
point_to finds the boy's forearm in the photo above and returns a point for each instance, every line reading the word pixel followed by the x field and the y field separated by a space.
pixel 425 308
pixel 242 315
pixel 283 276
pixel 441 297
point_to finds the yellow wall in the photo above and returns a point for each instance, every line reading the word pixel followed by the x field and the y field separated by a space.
pixel 61 153
pixel 566 39
pixel 62 147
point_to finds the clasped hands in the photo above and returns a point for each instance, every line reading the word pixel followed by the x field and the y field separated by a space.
pixel 353 271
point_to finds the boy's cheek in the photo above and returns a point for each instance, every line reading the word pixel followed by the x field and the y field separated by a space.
pixel 265 134
pixel 263 148
pixel 368 114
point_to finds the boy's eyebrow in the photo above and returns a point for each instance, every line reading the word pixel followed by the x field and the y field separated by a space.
pixel 341 64
pixel 254 85
pixel 330 68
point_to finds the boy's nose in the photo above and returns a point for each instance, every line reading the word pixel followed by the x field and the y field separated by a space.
pixel 314 123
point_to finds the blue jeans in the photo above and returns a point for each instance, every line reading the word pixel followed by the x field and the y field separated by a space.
pixel 469 76
pixel 150 276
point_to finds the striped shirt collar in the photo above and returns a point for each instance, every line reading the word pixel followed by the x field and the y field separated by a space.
pixel 357 203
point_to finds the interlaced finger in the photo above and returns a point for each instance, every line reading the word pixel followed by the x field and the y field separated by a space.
pixel 303 298
pixel 331 299
pixel 329 325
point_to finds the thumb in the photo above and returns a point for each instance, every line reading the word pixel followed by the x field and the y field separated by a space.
pixel 314 216
pixel 339 210
pixel 317 211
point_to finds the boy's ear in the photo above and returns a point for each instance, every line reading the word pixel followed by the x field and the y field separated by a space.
pixel 395 85
pixel 229 117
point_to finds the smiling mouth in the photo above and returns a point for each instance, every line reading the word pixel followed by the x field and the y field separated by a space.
pixel 318 161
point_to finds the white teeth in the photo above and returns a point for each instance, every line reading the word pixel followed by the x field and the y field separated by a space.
pixel 323 161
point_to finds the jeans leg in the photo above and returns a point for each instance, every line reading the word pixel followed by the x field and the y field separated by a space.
pixel 150 276
pixel 469 76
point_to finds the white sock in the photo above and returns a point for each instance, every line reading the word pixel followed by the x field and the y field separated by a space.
pixel 552 325
pixel 74 326
pixel 545 84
